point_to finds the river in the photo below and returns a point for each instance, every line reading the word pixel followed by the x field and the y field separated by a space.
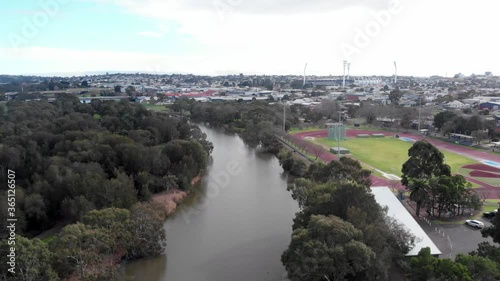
pixel 235 227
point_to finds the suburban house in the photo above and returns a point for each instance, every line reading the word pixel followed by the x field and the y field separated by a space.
pixel 489 105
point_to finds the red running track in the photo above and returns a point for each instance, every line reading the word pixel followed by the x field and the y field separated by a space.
pixel 487 190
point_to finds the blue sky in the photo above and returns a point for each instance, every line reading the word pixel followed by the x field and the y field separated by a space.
pixel 88 25
pixel 250 36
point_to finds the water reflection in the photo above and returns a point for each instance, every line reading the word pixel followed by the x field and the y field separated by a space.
pixel 234 227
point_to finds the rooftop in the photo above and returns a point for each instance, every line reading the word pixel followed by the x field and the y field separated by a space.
pixel 385 197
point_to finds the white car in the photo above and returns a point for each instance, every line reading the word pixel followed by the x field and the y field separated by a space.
pixel 474 223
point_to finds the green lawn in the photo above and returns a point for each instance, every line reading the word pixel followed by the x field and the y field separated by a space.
pixel 155 107
pixel 318 128
pixel 309 129
pixel 389 154
pixel 48 239
pixel 4 105
pixel 491 205
pixel 490 208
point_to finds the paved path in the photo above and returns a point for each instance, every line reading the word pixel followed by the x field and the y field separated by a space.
pixel 487 190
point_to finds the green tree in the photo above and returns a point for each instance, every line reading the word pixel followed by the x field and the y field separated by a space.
pixel 474 123
pixel 489 251
pixel 148 234
pixel 427 267
pixel 347 169
pixel 290 164
pixel 493 231
pixel 395 95
pixel 327 249
pixel 77 207
pixel 131 91
pixel 419 193
pixel 33 260
pixel 442 117
pixel 446 269
pixel 115 223
pixel 480 268
pixel 452 195
pixel 81 249
pixel 35 210
pixel 479 136
pixel 425 161
pixel 422 266
pixel 406 120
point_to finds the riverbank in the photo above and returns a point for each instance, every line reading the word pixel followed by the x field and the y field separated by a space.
pixel 170 199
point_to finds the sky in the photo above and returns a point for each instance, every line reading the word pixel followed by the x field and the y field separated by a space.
pixel 272 37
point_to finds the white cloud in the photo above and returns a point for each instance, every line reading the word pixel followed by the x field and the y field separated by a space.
pixel 261 36
pixel 161 31
pixel 150 33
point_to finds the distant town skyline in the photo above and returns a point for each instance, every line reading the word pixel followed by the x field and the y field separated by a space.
pixel 74 37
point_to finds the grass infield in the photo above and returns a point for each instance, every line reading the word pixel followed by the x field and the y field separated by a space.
pixel 389 154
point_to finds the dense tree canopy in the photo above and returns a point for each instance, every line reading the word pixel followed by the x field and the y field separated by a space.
pixel 425 161
pixel 70 157
pixel 257 122
pixel 427 267
pixel 493 230
pixel 33 260
pixel 330 248
pixel 442 117
pixel 335 198
pixel 430 184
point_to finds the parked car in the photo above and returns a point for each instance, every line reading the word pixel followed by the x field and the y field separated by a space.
pixel 490 215
pixel 474 223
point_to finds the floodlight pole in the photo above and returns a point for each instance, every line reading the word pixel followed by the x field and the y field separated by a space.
pixel 338 137
pixel 419 109
pixel 284 117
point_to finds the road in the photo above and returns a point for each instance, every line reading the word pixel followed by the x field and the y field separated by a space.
pixel 453 239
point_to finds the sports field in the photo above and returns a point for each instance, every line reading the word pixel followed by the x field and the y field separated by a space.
pixel 389 154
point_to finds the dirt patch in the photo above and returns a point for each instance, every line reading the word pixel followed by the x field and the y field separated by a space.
pixel 482 167
pixel 170 199
pixel 483 174
pixel 196 180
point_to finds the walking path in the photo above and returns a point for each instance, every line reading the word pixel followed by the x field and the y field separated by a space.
pixel 487 190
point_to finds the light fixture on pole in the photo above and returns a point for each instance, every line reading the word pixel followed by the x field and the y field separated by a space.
pixel 284 116
pixel 338 136
pixel 419 110
pixel 395 73
pixel 304 83
pixel 348 70
pixel 343 79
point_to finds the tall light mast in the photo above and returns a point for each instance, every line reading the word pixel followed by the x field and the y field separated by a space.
pixel 284 116
pixel 304 83
pixel 395 73
pixel 343 79
pixel 338 136
pixel 348 70
pixel 419 112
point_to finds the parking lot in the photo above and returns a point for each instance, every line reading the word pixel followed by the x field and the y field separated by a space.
pixel 453 239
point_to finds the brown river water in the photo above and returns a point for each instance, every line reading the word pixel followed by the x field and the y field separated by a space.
pixel 234 227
